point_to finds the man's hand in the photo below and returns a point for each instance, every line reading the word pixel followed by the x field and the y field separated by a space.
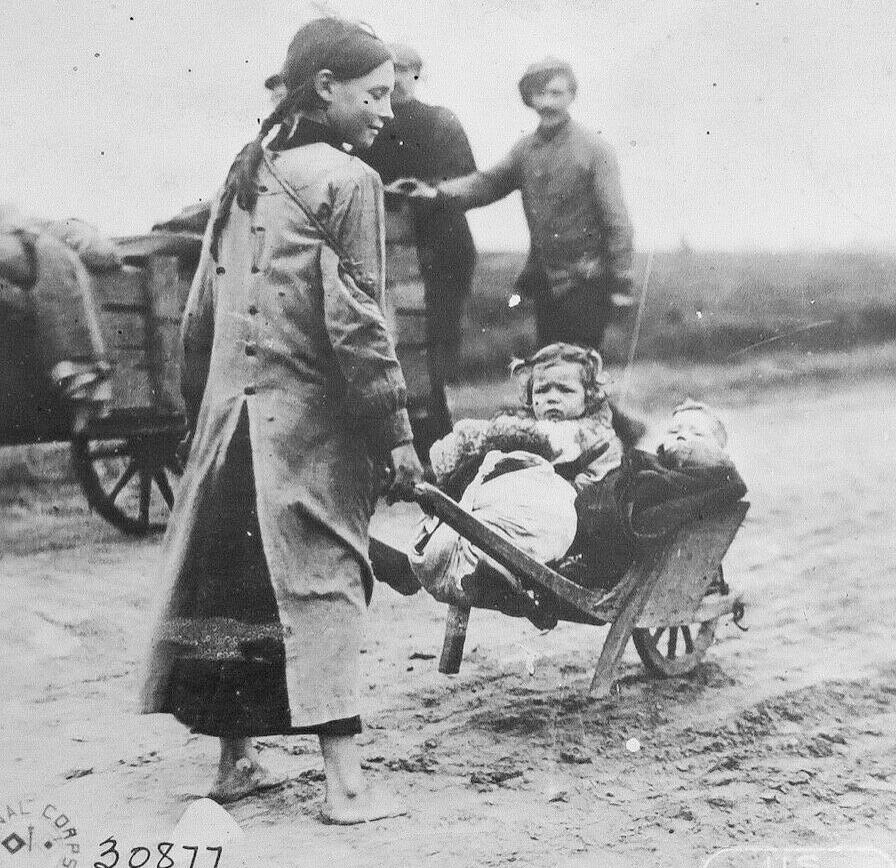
pixel 413 188
pixel 574 277
pixel 407 472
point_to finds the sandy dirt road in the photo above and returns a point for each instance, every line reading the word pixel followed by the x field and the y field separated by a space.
pixel 787 736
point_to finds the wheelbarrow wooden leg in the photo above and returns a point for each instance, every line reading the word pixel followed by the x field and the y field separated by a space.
pixel 455 634
pixel 644 577
pixel 614 645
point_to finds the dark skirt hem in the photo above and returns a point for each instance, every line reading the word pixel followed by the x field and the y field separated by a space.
pixel 343 727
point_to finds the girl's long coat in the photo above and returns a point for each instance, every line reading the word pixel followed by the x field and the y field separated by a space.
pixel 286 337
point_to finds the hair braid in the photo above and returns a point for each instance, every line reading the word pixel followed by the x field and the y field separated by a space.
pixel 240 183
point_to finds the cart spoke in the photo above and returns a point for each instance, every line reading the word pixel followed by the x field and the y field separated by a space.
pixel 145 492
pixel 657 634
pixel 126 477
pixel 108 469
pixel 673 642
pixel 688 641
pixel 164 486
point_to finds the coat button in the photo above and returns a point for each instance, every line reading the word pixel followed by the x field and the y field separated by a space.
pixel 262 188
pixel 254 269
pixel 249 390
pixel 251 349
pixel 253 309
pixel 220 269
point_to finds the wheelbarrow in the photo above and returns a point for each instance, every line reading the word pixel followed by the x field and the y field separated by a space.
pixel 669 601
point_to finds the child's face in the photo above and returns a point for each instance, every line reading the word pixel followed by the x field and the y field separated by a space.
pixel 692 440
pixel 557 391
pixel 693 425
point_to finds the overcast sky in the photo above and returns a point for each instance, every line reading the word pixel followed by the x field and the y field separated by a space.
pixel 738 123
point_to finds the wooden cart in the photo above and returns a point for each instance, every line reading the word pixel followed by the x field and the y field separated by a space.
pixel 669 601
pixel 126 462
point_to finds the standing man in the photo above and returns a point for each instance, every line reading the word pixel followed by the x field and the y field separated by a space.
pixel 427 142
pixel 581 236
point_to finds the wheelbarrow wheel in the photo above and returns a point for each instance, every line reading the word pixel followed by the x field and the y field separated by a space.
pixel 129 480
pixel 671 651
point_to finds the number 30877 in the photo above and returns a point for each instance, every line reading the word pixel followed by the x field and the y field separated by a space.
pixel 163 854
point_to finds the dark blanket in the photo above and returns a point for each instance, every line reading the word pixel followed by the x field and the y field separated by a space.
pixel 639 503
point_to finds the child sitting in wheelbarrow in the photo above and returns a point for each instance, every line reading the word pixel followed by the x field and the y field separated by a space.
pixel 650 495
pixel 553 479
pixel 520 472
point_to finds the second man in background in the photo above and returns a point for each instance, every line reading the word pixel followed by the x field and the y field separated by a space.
pixel 427 142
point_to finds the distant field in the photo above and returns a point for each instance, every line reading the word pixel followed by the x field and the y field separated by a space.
pixel 709 307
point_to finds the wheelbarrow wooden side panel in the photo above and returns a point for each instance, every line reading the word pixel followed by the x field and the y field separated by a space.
pixel 668 585
pixel 689 560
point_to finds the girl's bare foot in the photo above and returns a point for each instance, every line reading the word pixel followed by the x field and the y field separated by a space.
pixel 243 779
pixel 240 773
pixel 369 805
pixel 349 799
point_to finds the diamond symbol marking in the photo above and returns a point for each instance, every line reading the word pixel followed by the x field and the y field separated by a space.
pixel 13 843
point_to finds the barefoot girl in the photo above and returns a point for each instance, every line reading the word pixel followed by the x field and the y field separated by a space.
pixel 296 400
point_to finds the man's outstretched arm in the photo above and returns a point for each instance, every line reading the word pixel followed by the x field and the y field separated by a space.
pixel 481 188
pixel 471 190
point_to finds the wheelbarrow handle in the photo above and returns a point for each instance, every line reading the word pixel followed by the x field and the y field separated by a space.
pixel 503 551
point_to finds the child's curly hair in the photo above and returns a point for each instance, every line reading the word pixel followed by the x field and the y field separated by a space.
pixel 590 364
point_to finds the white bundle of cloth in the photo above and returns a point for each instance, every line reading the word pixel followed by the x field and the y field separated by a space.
pixel 517 494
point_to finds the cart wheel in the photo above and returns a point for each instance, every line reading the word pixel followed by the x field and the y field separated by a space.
pixel 671 651
pixel 128 480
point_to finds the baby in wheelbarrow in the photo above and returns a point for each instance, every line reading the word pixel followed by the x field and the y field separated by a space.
pixel 554 479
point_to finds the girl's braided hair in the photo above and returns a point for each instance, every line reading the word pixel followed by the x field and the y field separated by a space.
pixel 348 49
pixel 590 364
